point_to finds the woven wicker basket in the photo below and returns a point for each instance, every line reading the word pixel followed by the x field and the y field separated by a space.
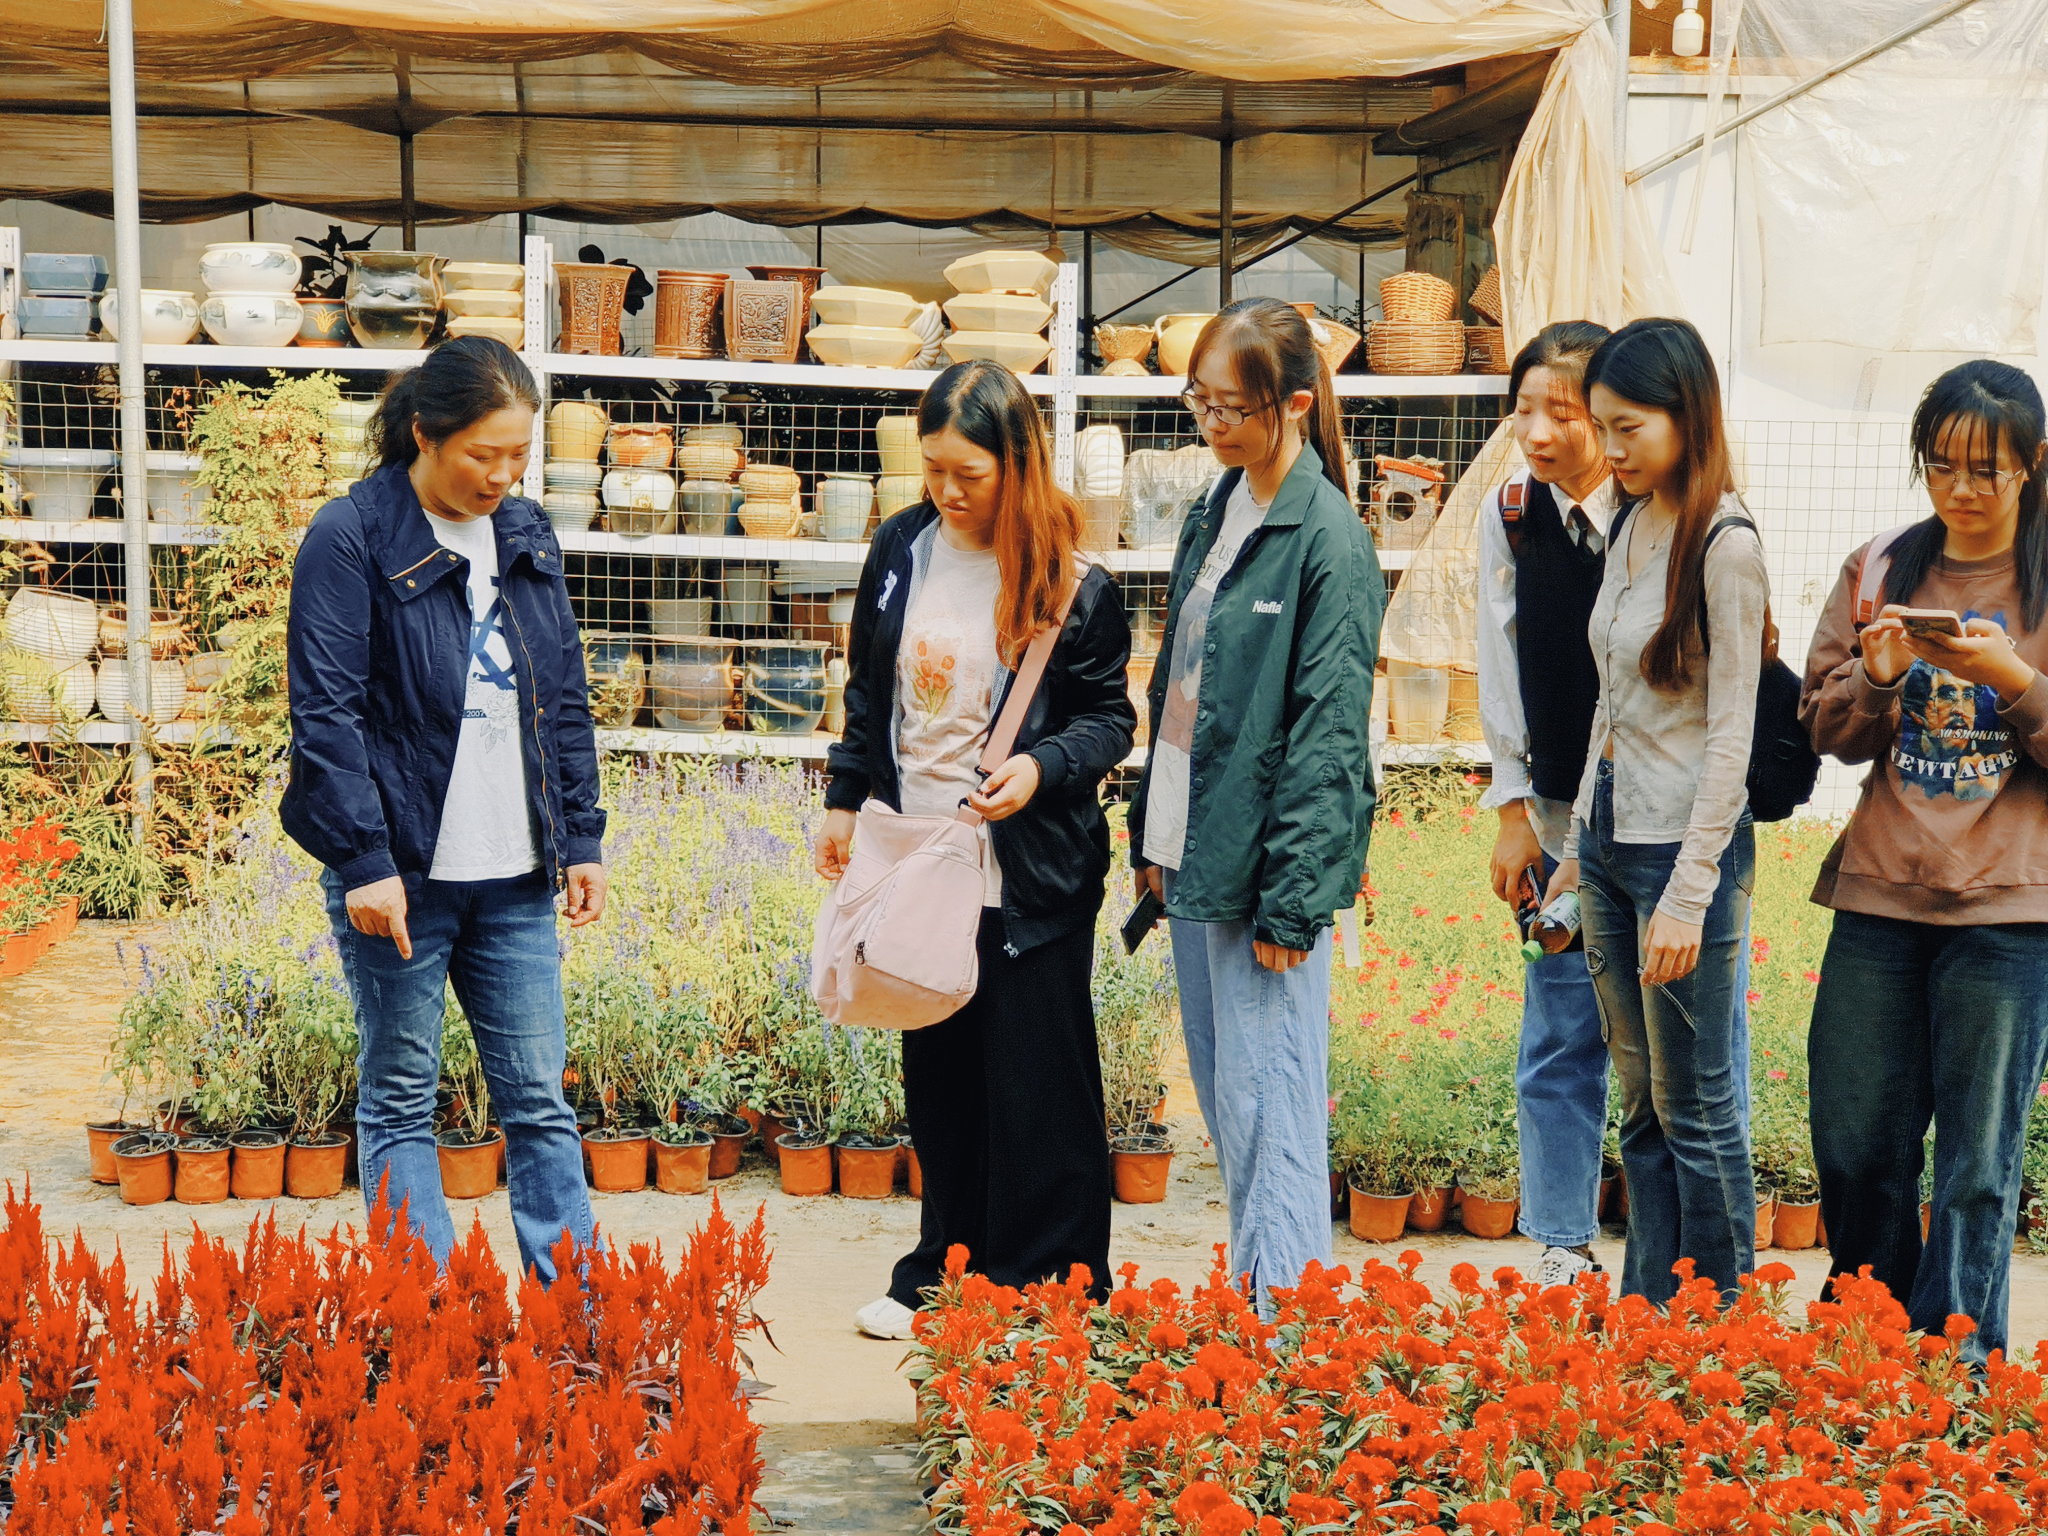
pixel 1396 348
pixel 1417 298
pixel 769 519
pixel 1486 297
pixel 1486 349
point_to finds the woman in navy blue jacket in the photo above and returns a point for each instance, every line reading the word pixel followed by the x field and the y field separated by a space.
pixel 444 771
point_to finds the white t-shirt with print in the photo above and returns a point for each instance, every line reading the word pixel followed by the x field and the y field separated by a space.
pixel 946 671
pixel 1166 800
pixel 486 829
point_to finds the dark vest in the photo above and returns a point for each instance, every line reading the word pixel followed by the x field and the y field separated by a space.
pixel 1556 582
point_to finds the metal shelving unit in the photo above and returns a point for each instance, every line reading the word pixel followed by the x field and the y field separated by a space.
pixel 817 418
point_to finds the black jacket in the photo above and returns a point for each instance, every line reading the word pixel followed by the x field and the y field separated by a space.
pixel 379 663
pixel 1055 852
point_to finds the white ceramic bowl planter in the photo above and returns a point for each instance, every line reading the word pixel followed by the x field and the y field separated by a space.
pixel 56 626
pixel 170 316
pixel 640 501
pixel 40 694
pixel 166 691
pixel 243 319
pixel 249 266
pixel 60 481
pixel 175 494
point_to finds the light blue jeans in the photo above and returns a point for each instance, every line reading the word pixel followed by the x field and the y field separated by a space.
pixel 1259 1053
pixel 495 940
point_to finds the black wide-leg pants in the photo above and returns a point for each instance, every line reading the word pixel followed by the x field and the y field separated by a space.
pixel 1005 1103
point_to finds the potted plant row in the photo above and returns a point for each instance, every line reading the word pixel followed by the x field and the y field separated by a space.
pixel 34 917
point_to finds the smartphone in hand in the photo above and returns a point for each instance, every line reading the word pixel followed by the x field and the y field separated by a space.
pixel 1144 916
pixel 1932 623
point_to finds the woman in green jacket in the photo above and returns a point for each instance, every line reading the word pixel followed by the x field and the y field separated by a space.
pixel 1252 819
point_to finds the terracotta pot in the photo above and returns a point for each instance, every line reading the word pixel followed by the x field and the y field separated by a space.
pixel 1139 1166
pixel 202 1177
pixel 806 1167
pixel 1378 1218
pixel 144 1168
pixel 1487 1218
pixel 324 323
pixel 593 299
pixel 616 1166
pixel 1795 1224
pixel 1766 1209
pixel 682 1170
pixel 99 1142
pixel 256 1171
pixel 867 1173
pixel 687 315
pixel 806 280
pixel 914 1174
pixel 313 1168
pixel 469 1170
pixel 18 951
pixel 1430 1208
pixel 639 446
pixel 763 321
pixel 64 918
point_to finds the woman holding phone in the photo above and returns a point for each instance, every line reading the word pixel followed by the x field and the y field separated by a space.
pixel 1933 999
pixel 1660 844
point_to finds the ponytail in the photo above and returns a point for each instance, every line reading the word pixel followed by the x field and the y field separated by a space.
pixel 458 384
pixel 1273 355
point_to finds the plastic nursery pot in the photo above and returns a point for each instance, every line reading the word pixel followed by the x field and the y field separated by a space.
pixel 1926 1220
pixel 1766 1210
pixel 900 1131
pixel 18 951
pixel 469 1169
pixel 729 1135
pixel 1138 1166
pixel 1429 1208
pixel 1795 1225
pixel 313 1165
pixel 202 1170
pixel 256 1171
pixel 867 1169
pixel 100 1137
pixel 683 1167
pixel 914 1172
pixel 1379 1218
pixel 618 1159
pixel 144 1164
pixel 1339 1202
pixel 1484 1217
pixel 806 1163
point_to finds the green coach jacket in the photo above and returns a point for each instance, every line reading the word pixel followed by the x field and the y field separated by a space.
pixel 1280 796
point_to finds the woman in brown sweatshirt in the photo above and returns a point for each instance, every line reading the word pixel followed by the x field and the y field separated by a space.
pixel 1933 999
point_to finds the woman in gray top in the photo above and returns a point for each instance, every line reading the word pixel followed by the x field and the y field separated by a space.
pixel 1660 844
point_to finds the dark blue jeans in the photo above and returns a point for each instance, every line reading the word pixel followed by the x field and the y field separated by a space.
pixel 495 940
pixel 1912 1022
pixel 1684 1117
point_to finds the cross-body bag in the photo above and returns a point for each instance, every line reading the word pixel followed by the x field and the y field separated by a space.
pixel 895 940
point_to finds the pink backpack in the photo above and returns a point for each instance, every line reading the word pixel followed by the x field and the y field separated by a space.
pixel 895 941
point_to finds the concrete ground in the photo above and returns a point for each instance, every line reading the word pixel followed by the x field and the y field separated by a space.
pixel 837 1419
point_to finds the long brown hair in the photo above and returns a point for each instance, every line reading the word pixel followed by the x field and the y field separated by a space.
pixel 1665 366
pixel 1273 354
pixel 1038 525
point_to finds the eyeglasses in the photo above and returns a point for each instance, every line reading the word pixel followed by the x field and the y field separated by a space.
pixel 1985 482
pixel 1224 415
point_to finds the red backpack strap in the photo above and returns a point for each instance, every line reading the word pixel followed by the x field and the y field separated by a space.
pixel 1870 575
pixel 1514 501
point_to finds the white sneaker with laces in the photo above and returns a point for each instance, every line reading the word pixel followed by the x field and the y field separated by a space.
pixel 886 1318
pixel 1563 1266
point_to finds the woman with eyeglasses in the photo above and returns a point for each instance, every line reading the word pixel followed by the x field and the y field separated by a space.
pixel 1933 999
pixel 1252 818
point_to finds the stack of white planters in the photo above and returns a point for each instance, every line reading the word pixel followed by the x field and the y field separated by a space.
pixel 1000 312
pixel 249 294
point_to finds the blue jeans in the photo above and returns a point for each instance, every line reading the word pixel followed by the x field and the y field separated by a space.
pixel 495 940
pixel 1684 1129
pixel 1259 1053
pixel 1912 1022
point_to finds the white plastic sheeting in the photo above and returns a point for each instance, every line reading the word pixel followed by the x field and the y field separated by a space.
pixel 1903 205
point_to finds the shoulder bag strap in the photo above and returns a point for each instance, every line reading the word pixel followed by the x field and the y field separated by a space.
pixel 1514 500
pixel 1030 673
pixel 1877 564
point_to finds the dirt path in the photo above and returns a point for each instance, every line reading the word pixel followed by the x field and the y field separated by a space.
pixel 838 1418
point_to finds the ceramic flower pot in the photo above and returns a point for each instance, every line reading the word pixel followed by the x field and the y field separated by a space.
pixel 166 691
pixel 249 266
pixel 170 316
pixel 688 318
pixel 896 441
pixel 143 1167
pixel 394 298
pixel 683 1168
pixel 469 1169
pixel 867 1172
pixel 100 1137
pixel 1177 335
pixel 691 684
pixel 314 1166
pixel 202 1170
pixel 806 280
pixel 763 321
pixel 593 299
pixel 324 323
pixel 1378 1218
pixel 251 319
pixel 1795 1225
pixel 576 431
pixel 784 687
pixel 256 1171
pixel 844 503
pixel 1139 1166
pixel 1486 1218
pixel 633 446
pixel 617 1160
pixel 1429 1208
pixel 59 628
pixel 806 1164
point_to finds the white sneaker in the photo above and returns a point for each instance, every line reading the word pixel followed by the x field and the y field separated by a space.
pixel 1563 1266
pixel 887 1318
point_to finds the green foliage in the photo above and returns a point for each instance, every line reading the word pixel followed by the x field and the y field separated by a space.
pixel 1137 1018
pixel 867 1081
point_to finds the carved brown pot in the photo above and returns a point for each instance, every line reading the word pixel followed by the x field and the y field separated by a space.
pixel 763 321
pixel 688 318
pixel 593 296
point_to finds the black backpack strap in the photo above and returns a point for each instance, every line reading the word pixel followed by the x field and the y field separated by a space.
pixel 1514 501
pixel 1738 521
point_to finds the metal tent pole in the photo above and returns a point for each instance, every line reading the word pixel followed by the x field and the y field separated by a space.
pixel 134 433
pixel 1618 25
